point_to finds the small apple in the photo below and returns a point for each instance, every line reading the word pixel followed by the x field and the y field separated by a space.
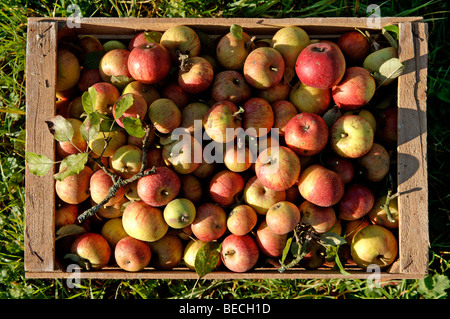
pixel 225 186
pixel 113 44
pixel 113 231
pixel 155 158
pixel 113 68
pixel 321 186
pixel 270 243
pixel 306 134
pixel 321 65
pixel 94 248
pixel 210 222
pixel 357 201
pixel 74 189
pixel 283 217
pixel 149 63
pixel 159 188
pixel 165 115
pixel 196 75
pixel 221 121
pixel 322 219
pixel 283 112
pixel 132 254
pixel 68 70
pixel 66 214
pixel 88 77
pixel 351 136
pixel 144 222
pixel 378 215
pixel 75 108
pixel 167 252
pixel 279 91
pixel 309 99
pixel 175 93
pixel 237 159
pixel 239 253
pixel 99 186
pixel 179 213
pixel 241 220
pixel 89 43
pixel 263 68
pixel 183 39
pixel 387 127
pixel 144 38
pixel 126 160
pixel 230 85
pixel 183 155
pixel 232 51
pixel 257 118
pixel 354 45
pixel 374 244
pixel 259 197
pixel 107 95
pixel 375 163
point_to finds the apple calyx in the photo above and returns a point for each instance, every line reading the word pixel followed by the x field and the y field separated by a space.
pixel 229 252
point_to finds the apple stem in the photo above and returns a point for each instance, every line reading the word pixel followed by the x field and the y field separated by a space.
pixel 182 58
pixel 385 206
pixel 344 135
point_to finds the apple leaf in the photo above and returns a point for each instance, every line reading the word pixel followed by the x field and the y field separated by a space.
pixel 434 286
pixel 331 239
pixel 389 70
pixel 90 127
pixel 287 249
pixel 38 164
pixel 237 31
pixel 133 126
pixel 67 230
pixel 386 31
pixel 332 115
pixel 207 258
pixel 82 262
pixel 88 99
pixel 71 165
pixel 123 104
pixel 152 36
pixel 92 60
pixel 61 128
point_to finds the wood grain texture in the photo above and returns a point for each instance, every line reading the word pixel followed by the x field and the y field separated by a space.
pixel 40 106
pixel 412 150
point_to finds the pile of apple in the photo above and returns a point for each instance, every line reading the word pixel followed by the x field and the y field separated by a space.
pixel 323 152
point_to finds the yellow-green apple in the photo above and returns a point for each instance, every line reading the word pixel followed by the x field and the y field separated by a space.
pixel 149 63
pixel 192 112
pixel 237 159
pixel 147 91
pixel 282 217
pixel 306 134
pixel 179 213
pixel 270 243
pixel 241 220
pixel 374 244
pixel 230 85
pixel 232 51
pixel 355 46
pixel 190 253
pixel 221 121
pixel 279 91
pixel 378 215
pixel 106 143
pixel 138 108
pixel 239 253
pixel 175 93
pixel 99 186
pixel 68 70
pixel 182 39
pixel 210 222
pixel 164 115
pixel 75 108
pixel 375 163
pixel 132 254
pixel 386 131
pixel 126 160
pixel 290 41
pixel 342 166
pixel 113 211
pixel 365 114
pixel 107 95
pixel 278 168
pixel 225 186
pixel 191 188
pixel 196 75
pixel 352 227
pixel 321 186
pixel 321 65
pixel 159 188
pixel 113 231
pixel 143 38
pixel 283 112
pixel 76 145
pixel 355 90
pixel 257 118
pixel 183 155
pixel 74 189
pixel 66 214
pixel 113 44
pixel 259 197
pixel 322 219
pixel 263 68
pixel 144 222
pixel 94 248
pixel 89 43
pixel 88 77
pixel 113 68
pixel 374 60
pixel 167 252
pixel 351 136
pixel 357 201
pixel 131 191
pixel 309 99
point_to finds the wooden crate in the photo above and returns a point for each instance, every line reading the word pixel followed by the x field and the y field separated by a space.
pixel 40 195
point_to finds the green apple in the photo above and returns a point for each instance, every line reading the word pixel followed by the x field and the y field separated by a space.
pixel 179 213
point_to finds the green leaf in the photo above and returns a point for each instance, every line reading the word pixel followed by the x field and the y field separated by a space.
pixel 390 38
pixel 68 230
pixel 207 258
pixel 61 128
pixel 88 99
pixel 123 104
pixel 237 31
pixel 331 239
pixel 332 115
pixel 82 262
pixel 286 249
pixel 71 165
pixel 38 164
pixel 92 60
pixel 389 70
pixel 90 127
pixel 153 36
pixel 435 286
pixel 133 126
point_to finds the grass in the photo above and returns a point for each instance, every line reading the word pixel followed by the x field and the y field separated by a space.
pixel 13 284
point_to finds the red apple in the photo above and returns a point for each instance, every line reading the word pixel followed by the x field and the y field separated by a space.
pixel 230 85
pixel 354 45
pixel 283 217
pixel 114 68
pixel 263 68
pixel 159 188
pixel 225 186
pixel 279 91
pixel 357 201
pixel 99 186
pixel 138 108
pixel 175 93
pixel 259 197
pixel 306 134
pixel 196 75
pixel 241 220
pixel 142 38
pixel 221 121
pixel 322 219
pixel 107 95
pixel 94 248
pixel 257 119
pixel 210 222
pixel 387 126
pixel 321 186
pixel 74 189
pixel 270 243
pixel 283 112
pixel 88 77
pixel 66 214
pixel 132 254
pixel 237 159
pixel 321 65
pixel 342 166
pixel 149 63
pixel 191 188
pixel 239 253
